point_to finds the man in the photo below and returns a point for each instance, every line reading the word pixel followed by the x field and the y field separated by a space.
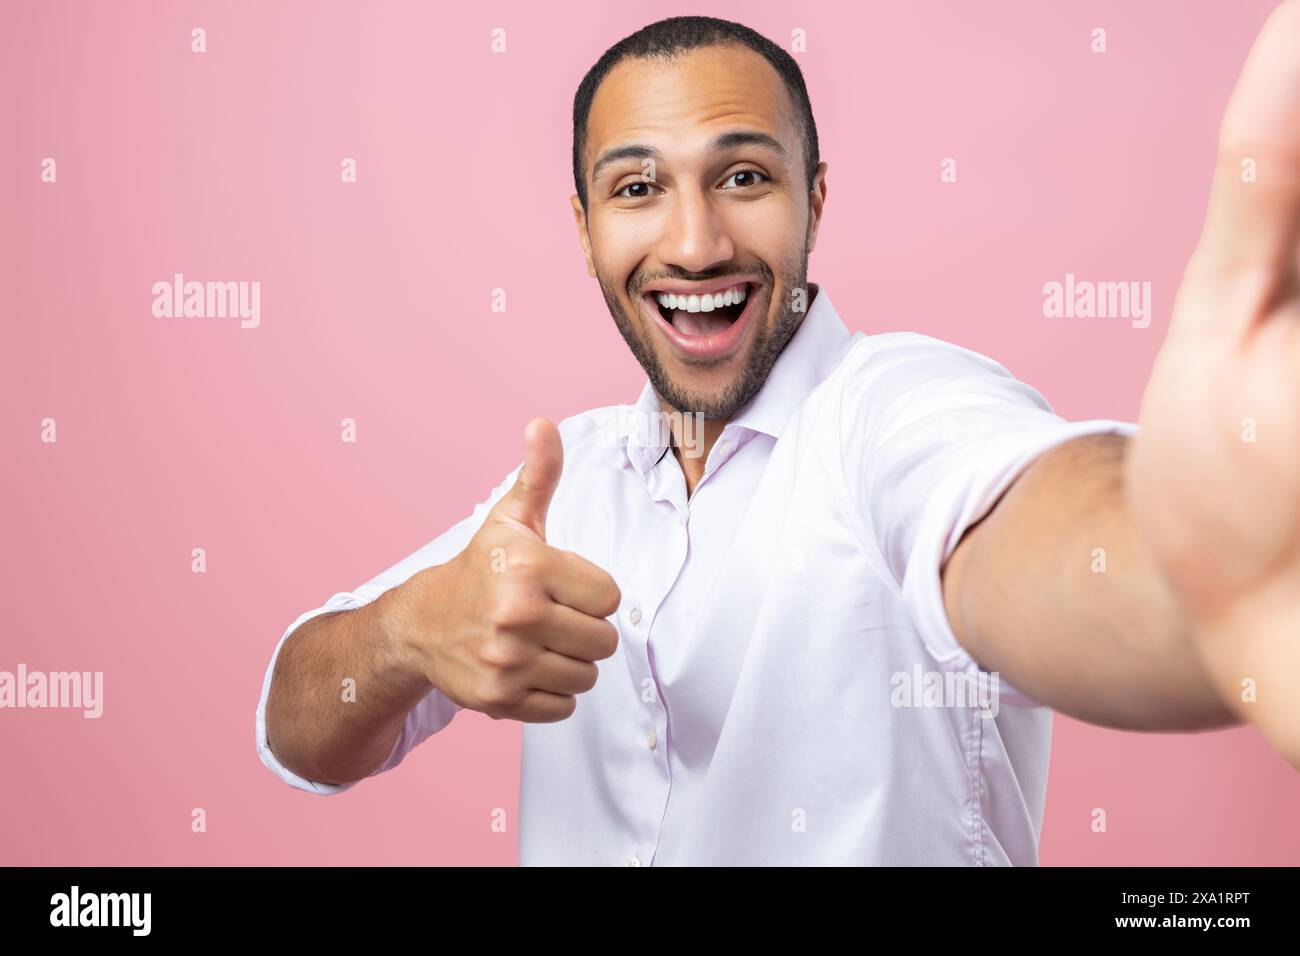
pixel 812 598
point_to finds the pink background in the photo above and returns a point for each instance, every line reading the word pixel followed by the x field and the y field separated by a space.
pixel 175 434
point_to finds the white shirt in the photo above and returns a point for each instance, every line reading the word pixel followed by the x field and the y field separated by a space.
pixel 752 713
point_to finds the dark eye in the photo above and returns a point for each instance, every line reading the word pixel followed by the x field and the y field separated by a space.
pixel 636 184
pixel 752 176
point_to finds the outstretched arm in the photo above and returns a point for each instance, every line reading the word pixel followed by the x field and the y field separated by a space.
pixel 1196 620
pixel 1055 590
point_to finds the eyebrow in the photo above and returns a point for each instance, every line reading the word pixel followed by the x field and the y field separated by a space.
pixel 724 141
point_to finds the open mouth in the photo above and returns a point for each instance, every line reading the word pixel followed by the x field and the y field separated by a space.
pixel 708 324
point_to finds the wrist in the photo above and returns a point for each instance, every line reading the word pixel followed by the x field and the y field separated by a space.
pixel 399 633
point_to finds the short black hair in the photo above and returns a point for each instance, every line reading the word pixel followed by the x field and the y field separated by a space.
pixel 667 38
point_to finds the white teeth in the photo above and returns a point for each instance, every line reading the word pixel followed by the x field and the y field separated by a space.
pixel 702 303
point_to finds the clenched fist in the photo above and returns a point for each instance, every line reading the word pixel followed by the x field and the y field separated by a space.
pixel 511 626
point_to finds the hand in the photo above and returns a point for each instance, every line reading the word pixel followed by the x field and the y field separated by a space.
pixel 512 627
pixel 1213 476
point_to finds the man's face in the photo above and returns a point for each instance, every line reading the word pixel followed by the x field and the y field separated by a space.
pixel 681 206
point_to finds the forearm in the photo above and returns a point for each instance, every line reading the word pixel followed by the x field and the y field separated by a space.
pixel 1056 592
pixel 317 729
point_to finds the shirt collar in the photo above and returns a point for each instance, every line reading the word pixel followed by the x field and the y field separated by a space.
pixel 812 352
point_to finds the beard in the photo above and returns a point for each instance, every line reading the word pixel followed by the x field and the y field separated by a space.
pixel 769 341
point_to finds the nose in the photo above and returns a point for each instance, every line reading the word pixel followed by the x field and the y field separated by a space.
pixel 695 237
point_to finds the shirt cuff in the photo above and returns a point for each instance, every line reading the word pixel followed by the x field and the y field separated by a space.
pixel 970 497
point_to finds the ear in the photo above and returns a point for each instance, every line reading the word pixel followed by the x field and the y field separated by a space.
pixel 580 217
pixel 816 201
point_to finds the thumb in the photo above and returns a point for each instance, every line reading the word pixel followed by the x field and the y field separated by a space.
pixel 1254 211
pixel 529 499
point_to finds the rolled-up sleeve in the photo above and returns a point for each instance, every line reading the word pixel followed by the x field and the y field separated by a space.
pixel 934 434
pixel 338 602
pixel 435 710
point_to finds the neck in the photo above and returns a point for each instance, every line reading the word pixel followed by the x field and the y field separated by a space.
pixel 693 438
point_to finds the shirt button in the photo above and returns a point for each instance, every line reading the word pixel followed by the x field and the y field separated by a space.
pixel 652 739
pixel 635 616
pixel 632 861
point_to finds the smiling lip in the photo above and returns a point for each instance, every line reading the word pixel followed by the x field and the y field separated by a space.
pixel 720 345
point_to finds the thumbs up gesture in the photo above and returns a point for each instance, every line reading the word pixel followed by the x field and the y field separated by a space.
pixel 512 627
pixel 1213 477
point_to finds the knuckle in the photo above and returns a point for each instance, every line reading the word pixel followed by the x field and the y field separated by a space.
pixel 514 610
pixel 523 566
pixel 500 654
pixel 486 705
pixel 497 696
pixel 525 559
